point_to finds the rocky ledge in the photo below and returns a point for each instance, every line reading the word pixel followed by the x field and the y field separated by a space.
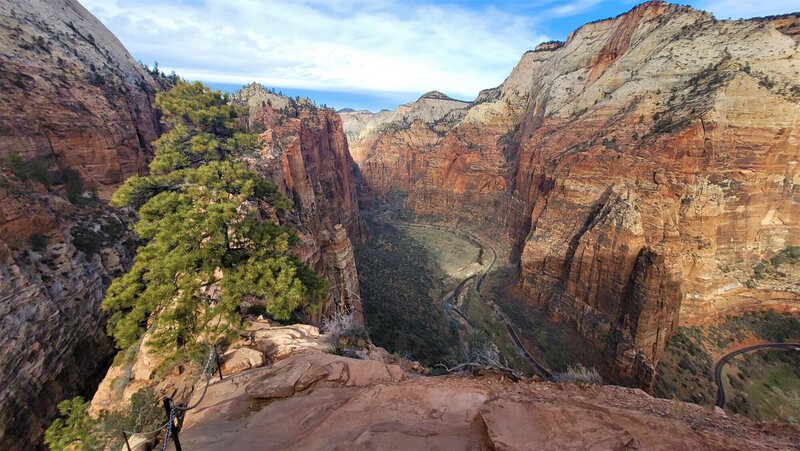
pixel 314 400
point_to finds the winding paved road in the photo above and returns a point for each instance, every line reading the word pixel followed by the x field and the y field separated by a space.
pixel 540 370
pixel 727 357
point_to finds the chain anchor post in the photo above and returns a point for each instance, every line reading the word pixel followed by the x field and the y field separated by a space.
pixel 172 430
pixel 219 364
pixel 127 443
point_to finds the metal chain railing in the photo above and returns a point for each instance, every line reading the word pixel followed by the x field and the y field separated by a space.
pixel 174 412
pixel 205 374
pixel 170 424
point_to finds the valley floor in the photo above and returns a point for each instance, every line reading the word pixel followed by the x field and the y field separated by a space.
pixel 419 288
pixel 763 385
pixel 410 266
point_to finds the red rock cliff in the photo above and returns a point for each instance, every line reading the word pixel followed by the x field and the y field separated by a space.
pixel 642 169
pixel 305 154
pixel 76 118
pixel 72 95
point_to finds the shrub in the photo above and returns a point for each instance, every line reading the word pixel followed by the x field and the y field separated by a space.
pixel 75 429
pixel 342 325
pixel 579 374
pixel 610 144
pixel 38 242
pixel 86 240
pixel 790 255
pixel 73 186
pixel 30 169
pixel 71 430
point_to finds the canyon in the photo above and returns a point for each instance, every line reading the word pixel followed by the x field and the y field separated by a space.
pixel 637 172
pixel 633 178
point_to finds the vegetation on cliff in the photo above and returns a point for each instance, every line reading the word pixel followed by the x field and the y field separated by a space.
pixel 77 430
pixel 690 355
pixel 201 213
pixel 212 238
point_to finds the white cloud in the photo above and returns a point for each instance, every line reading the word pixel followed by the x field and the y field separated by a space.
pixel 363 45
pixel 574 8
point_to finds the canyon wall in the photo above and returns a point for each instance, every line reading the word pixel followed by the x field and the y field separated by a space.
pixel 76 118
pixel 305 153
pixel 641 169
pixel 656 167
pixel 72 95
pixel 391 147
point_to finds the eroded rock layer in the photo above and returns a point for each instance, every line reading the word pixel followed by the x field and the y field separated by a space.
pixel 76 119
pixel 305 153
pixel 92 102
pixel 642 169
pixel 390 146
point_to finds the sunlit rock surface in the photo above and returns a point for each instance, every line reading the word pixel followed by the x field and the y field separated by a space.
pixel 642 169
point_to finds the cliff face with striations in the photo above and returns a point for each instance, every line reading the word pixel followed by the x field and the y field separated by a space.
pixel 668 144
pixel 305 153
pixel 76 118
pixel 391 147
pixel 642 169
pixel 91 100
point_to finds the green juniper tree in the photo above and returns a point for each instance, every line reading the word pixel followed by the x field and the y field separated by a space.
pixel 201 213
pixel 207 246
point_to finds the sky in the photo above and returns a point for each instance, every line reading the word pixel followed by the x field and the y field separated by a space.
pixel 361 54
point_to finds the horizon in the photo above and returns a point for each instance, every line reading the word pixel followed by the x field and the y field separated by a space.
pixel 360 54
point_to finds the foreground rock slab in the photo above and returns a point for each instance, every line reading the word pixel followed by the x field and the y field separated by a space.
pixel 321 401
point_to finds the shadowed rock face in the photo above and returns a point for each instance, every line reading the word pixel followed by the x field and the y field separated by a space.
pixel 73 102
pixel 642 169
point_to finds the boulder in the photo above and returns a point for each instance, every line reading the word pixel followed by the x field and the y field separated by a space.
pixel 300 372
pixel 241 359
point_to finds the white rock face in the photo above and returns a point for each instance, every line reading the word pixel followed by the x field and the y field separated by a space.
pixel 256 95
pixel 361 127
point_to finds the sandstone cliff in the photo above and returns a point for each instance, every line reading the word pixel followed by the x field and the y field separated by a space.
pixel 641 169
pixel 76 118
pixel 305 153
pixel 390 146
pixel 72 95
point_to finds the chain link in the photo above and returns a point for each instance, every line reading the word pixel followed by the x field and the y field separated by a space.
pixel 207 376
pixel 168 425
pixel 145 433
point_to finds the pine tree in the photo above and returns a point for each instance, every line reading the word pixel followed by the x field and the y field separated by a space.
pixel 201 213
pixel 73 431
